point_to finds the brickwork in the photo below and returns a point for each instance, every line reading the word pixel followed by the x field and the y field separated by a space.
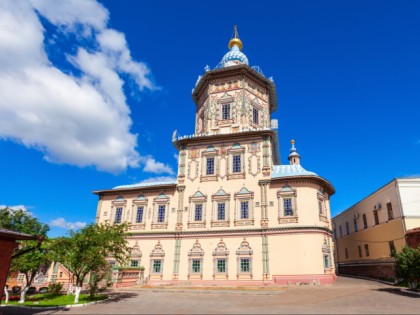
pixel 377 271
pixel 413 238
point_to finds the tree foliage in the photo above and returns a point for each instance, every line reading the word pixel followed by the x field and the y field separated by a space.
pixel 407 265
pixel 86 250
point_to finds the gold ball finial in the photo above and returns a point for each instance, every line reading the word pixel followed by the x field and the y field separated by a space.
pixel 292 141
pixel 235 40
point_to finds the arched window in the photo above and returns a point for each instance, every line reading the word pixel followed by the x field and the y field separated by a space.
pixel 157 257
pixel 220 261
pixel 195 262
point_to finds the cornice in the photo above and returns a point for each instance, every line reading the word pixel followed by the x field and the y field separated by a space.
pixel 231 232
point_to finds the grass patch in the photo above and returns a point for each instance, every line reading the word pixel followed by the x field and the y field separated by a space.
pixel 48 299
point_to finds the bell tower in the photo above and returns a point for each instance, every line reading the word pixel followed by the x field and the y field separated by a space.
pixel 233 97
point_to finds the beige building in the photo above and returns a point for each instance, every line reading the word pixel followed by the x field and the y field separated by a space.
pixel 366 234
pixel 234 214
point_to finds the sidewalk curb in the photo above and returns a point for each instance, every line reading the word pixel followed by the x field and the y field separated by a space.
pixel 57 307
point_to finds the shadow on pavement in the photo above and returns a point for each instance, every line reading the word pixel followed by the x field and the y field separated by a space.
pixel 397 291
pixel 118 296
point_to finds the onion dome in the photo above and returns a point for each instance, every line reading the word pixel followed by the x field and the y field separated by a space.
pixel 235 56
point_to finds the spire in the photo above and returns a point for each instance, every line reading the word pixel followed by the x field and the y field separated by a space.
pixel 294 157
pixel 235 41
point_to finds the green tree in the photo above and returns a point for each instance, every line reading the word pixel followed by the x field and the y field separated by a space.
pixel 407 265
pixel 34 254
pixel 86 250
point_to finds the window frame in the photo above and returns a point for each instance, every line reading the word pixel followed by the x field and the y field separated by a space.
pixel 287 192
pixel 390 211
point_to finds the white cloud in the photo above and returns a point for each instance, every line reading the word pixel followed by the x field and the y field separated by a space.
pixel 152 166
pixel 80 120
pixel 17 207
pixel 159 179
pixel 62 223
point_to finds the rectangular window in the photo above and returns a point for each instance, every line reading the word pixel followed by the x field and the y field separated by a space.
pixel 375 215
pixel 134 263
pixel 236 164
pixel 226 111
pixel 347 228
pixel 196 266
pixel 341 231
pixel 335 233
pixel 245 265
pixel 118 215
pixel 244 210
pixel 320 207
pixel 53 278
pixel 367 250
pixel 157 266
pixel 255 114
pixel 364 221
pixel 288 209
pixel 221 265
pixel 391 248
pixel 221 214
pixel 359 248
pixel 326 262
pixel 390 212
pixel 198 212
pixel 346 252
pixel 355 225
pixel 139 216
pixel 161 214
pixel 210 166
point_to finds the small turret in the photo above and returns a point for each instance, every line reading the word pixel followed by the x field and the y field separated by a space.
pixel 294 157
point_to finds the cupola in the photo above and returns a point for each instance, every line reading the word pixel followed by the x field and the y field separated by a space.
pixel 235 56
pixel 294 157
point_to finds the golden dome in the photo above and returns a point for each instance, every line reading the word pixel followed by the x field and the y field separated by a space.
pixel 235 40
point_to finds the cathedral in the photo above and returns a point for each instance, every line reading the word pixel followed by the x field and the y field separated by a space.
pixel 235 215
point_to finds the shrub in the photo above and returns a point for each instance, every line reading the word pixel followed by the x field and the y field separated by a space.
pixel 16 289
pixel 407 265
pixel 55 288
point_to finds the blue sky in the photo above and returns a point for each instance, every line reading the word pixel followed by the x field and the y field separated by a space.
pixel 90 92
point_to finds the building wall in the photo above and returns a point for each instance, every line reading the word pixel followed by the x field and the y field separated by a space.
pixel 378 238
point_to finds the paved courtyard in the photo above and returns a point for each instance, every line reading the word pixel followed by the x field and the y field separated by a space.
pixel 346 296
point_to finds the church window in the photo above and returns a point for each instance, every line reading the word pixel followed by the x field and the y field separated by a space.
pixel 244 210
pixel 245 264
pixel 236 164
pixel 118 215
pixel 221 211
pixel 161 213
pixel 341 231
pixel 320 207
pixel 356 228
pixel 157 266
pixel 390 212
pixel 196 266
pixel 139 216
pixel 255 116
pixel 198 212
pixel 288 208
pixel 347 228
pixel 210 166
pixel 359 249
pixel 134 263
pixel 391 248
pixel 221 265
pixel 327 262
pixel 225 111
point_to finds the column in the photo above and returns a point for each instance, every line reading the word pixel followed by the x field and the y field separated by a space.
pixel 175 274
pixel 180 211
pixel 264 203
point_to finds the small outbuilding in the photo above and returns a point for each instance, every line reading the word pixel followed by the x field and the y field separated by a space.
pixel 8 243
